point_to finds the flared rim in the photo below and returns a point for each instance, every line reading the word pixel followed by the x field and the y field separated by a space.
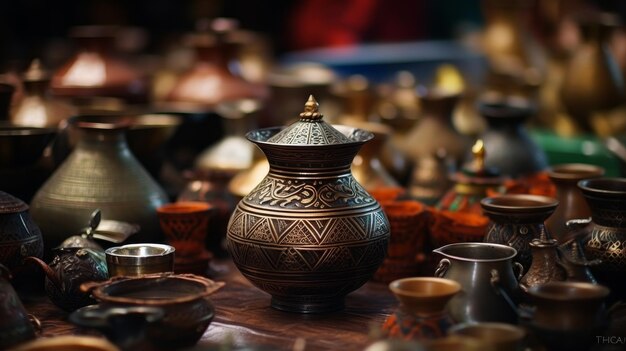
pixel 575 171
pixel 519 203
pixel 604 187
pixel 356 136
pixel 507 252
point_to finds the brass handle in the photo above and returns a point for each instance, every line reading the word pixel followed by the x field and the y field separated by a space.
pixel 442 268
pixel 520 270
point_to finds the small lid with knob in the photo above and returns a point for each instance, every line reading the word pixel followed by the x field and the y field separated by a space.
pixel 476 172
pixel 310 129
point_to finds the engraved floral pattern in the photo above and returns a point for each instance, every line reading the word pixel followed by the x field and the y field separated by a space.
pixel 310 193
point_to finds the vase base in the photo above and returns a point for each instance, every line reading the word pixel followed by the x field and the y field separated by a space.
pixel 301 305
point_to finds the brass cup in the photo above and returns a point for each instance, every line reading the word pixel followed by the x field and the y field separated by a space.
pixel 139 259
pixel 424 295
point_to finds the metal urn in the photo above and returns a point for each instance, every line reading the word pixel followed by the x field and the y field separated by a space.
pixel 309 233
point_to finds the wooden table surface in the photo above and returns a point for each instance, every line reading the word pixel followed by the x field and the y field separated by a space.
pixel 244 318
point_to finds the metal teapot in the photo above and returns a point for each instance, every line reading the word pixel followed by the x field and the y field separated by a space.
pixel 97 228
pixel 71 267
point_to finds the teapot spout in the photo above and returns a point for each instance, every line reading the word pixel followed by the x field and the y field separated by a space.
pixel 50 274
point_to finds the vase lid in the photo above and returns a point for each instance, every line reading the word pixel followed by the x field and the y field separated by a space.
pixel 310 129
pixel 11 204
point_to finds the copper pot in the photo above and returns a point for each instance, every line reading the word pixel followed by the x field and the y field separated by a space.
pixel 572 204
pixel 94 71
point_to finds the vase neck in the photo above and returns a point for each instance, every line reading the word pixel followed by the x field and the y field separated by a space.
pixel 90 139
pixel 324 160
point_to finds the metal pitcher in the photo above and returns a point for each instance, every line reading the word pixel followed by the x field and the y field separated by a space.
pixel 489 285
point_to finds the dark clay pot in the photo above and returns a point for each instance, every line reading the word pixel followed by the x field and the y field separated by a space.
pixel 71 267
pixel 508 147
pixel 607 199
pixel 101 173
pixel 572 204
pixel 19 235
pixel 15 325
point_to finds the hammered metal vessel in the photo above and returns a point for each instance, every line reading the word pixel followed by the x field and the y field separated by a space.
pixel 309 233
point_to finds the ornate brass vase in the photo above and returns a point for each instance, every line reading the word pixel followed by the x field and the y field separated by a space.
pixel 309 233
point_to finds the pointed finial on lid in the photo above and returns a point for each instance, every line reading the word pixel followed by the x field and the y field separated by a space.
pixel 311 110
pixel 478 150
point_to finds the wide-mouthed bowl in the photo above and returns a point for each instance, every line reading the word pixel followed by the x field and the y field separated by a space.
pixel 22 146
pixel 184 298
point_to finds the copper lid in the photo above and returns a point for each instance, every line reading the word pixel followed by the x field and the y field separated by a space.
pixel 310 129
pixel 11 204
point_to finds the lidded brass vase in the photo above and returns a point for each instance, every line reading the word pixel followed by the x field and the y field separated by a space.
pixel 309 233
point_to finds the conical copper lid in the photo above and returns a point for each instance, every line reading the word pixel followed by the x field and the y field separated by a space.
pixel 11 204
pixel 310 129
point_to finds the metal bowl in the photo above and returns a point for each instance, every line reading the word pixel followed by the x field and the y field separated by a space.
pixel 21 145
pixel 138 259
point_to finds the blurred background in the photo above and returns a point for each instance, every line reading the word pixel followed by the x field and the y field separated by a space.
pixel 538 82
